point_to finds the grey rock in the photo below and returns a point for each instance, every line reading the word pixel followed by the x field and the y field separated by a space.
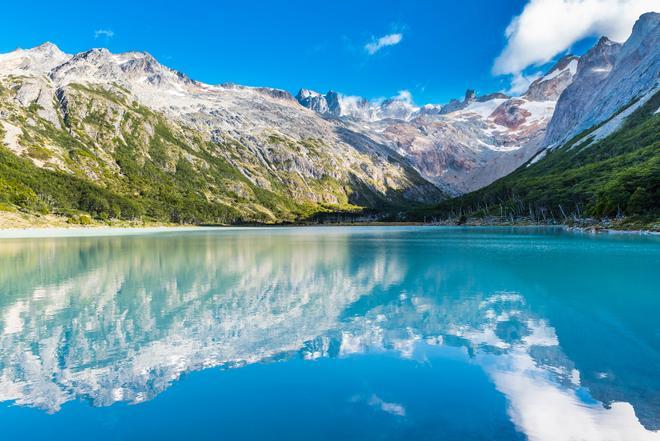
pixel 609 77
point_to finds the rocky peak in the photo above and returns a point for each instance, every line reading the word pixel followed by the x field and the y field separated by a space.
pixel 645 31
pixel 335 104
pixel 133 70
pixel 48 49
pixel 327 104
pixel 93 55
pixel 643 41
pixel 430 109
pixel 142 63
pixel 600 59
pixel 609 76
pixel 306 94
pixel 550 86
pixel 400 107
pixel 455 105
pixel 41 59
pixel 86 66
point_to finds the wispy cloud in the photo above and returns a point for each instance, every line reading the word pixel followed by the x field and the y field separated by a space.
pixel 104 33
pixel 547 28
pixel 387 40
pixel 387 407
pixel 378 403
pixel 405 96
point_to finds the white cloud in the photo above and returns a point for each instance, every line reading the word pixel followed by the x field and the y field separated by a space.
pixel 520 83
pixel 548 27
pixel 405 96
pixel 106 33
pixel 387 40
pixel 391 408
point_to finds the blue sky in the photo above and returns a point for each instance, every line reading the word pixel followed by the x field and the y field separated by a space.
pixel 434 48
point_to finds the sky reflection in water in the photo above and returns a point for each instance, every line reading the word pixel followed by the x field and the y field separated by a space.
pixel 336 333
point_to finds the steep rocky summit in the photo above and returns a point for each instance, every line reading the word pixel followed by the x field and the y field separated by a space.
pixel 609 78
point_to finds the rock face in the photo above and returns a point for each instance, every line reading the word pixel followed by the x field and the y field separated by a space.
pixel 608 78
pixel 463 145
pixel 455 105
pixel 327 104
pixel 593 69
pixel 551 85
pixel 469 148
pixel 511 114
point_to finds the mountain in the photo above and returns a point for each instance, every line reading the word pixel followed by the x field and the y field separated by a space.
pixel 601 154
pixel 463 145
pixel 328 104
pixel 551 85
pixel 122 136
pixel 608 78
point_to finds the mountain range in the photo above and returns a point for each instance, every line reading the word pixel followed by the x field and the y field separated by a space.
pixel 463 145
pixel 123 136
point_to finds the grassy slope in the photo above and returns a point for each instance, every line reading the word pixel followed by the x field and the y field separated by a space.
pixel 618 175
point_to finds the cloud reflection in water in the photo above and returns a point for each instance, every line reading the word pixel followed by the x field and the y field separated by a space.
pixel 122 318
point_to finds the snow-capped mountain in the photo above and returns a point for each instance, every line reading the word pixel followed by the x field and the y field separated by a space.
pixel 128 125
pixel 551 85
pixel 41 59
pixel 383 148
pixel 239 141
pixel 465 144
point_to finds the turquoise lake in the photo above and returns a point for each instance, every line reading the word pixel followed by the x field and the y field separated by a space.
pixel 336 333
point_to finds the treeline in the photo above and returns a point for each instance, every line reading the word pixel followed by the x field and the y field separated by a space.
pixel 613 177
pixel 33 189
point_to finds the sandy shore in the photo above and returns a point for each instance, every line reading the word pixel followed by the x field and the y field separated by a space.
pixel 15 219
pixel 48 232
pixel 22 225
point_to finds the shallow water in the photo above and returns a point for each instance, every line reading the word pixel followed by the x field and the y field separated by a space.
pixel 392 333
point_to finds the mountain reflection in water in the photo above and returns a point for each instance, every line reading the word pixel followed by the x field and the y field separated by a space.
pixel 113 319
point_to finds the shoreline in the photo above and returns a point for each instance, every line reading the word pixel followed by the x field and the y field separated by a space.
pixel 23 225
pixel 107 231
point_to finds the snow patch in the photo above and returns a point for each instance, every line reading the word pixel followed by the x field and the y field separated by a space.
pixel 485 108
pixel 538 157
pixel 570 67
pixel 615 123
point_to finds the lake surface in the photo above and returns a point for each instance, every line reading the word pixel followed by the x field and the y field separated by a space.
pixel 392 333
